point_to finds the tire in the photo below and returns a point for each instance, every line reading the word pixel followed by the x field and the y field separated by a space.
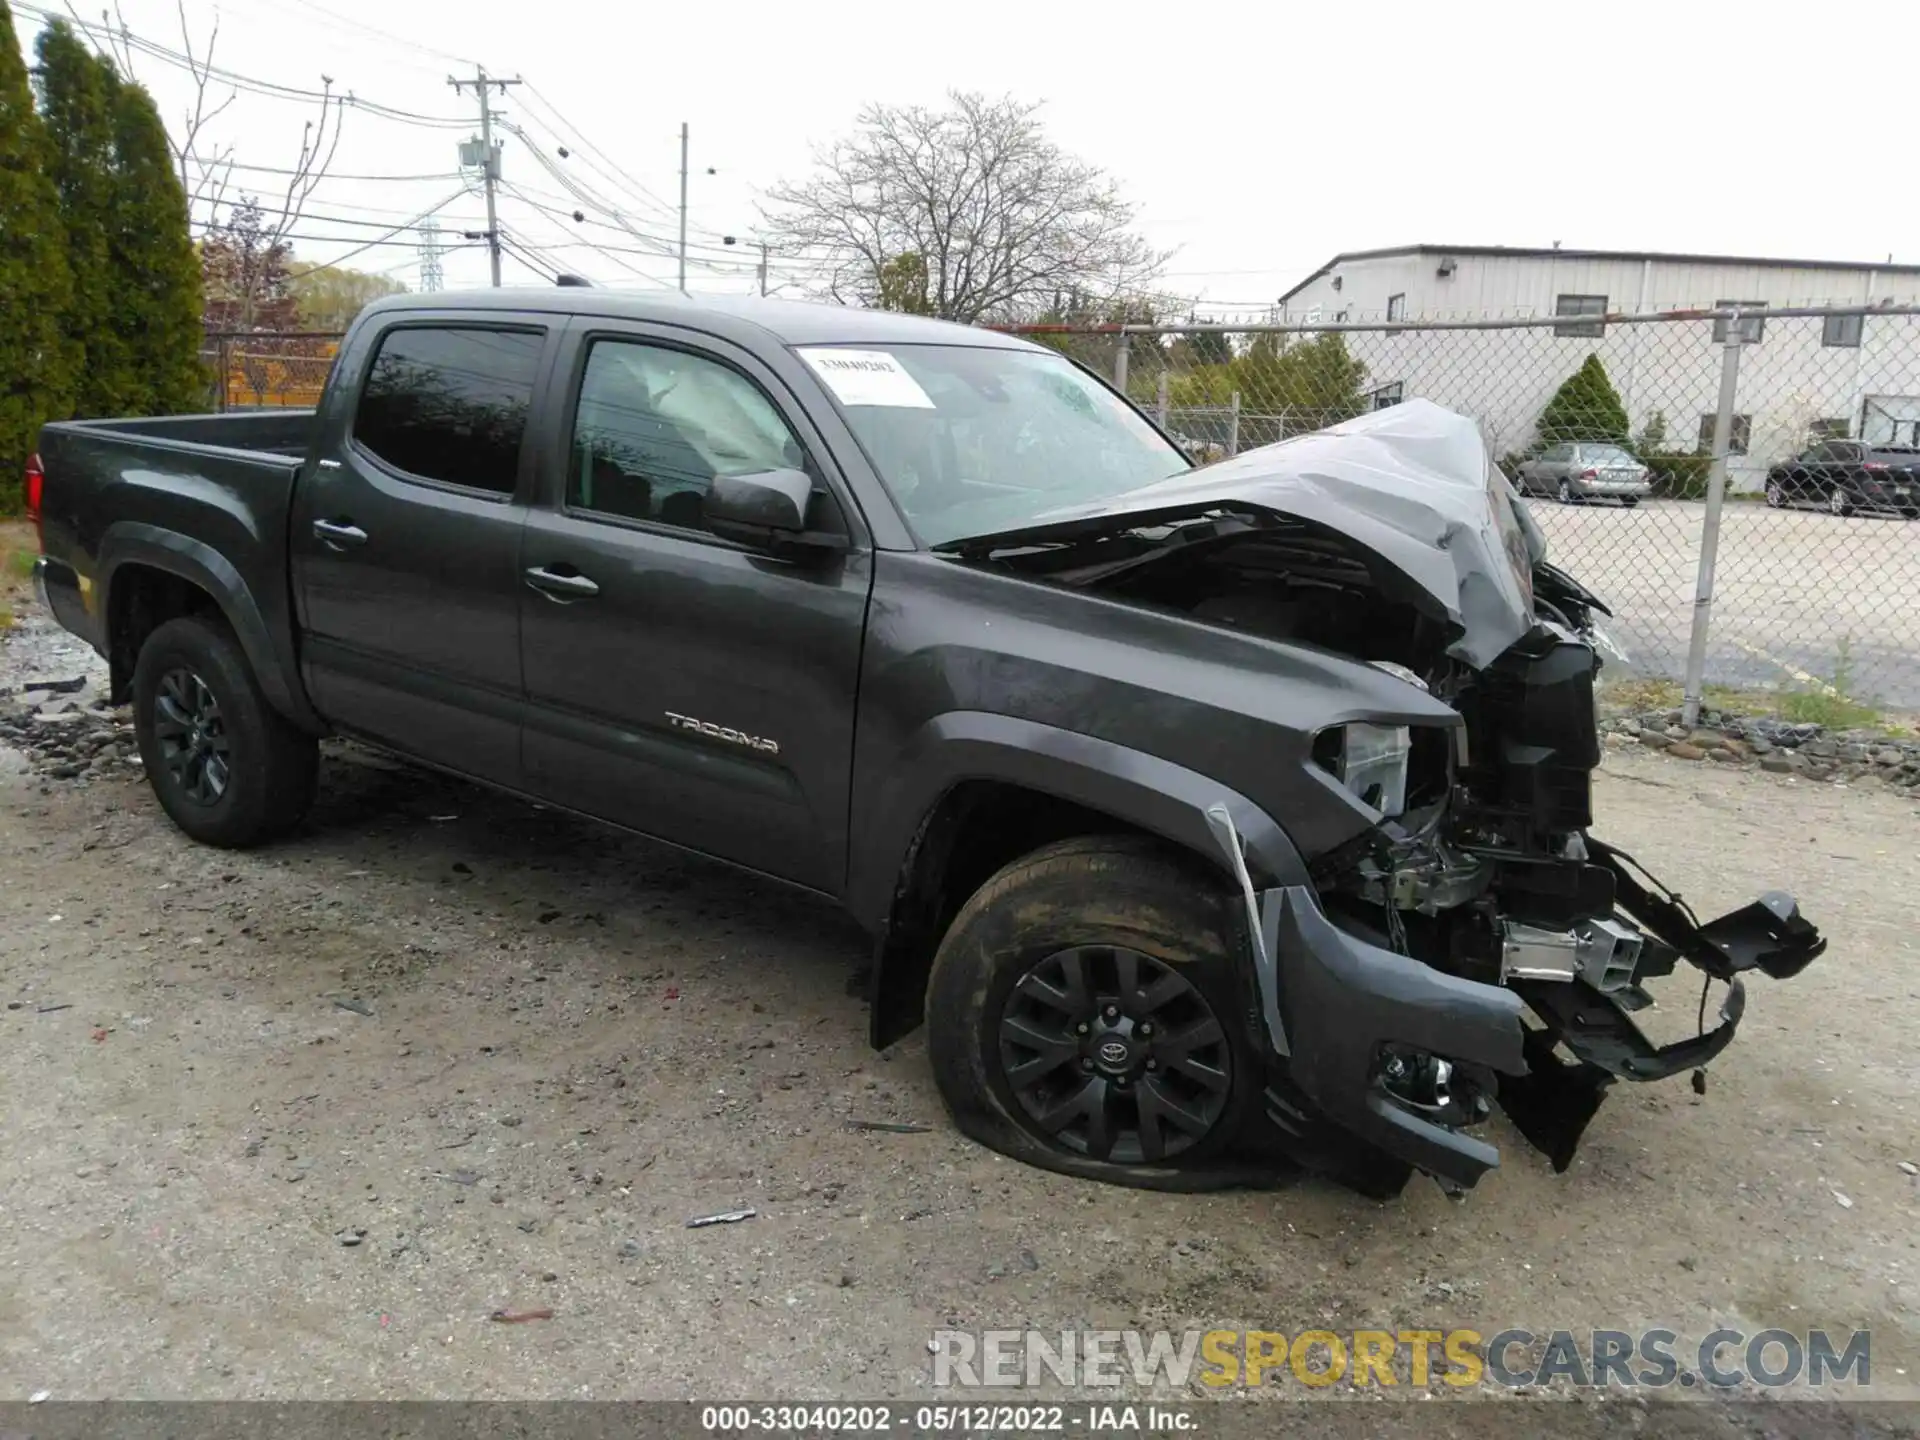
pixel 1110 907
pixel 1776 495
pixel 227 767
pixel 1839 502
pixel 1566 493
pixel 1628 502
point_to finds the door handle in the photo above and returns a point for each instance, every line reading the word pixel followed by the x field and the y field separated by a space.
pixel 339 535
pixel 557 586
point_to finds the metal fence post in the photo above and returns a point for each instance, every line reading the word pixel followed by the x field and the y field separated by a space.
pixel 1120 365
pixel 223 360
pixel 1710 531
pixel 1233 426
pixel 1160 401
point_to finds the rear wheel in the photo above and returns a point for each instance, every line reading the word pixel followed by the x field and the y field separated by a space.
pixel 1776 495
pixel 1839 502
pixel 226 766
pixel 1630 501
pixel 1085 1014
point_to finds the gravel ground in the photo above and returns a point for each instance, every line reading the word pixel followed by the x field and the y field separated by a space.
pixel 293 1123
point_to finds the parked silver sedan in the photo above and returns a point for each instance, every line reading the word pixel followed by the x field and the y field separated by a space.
pixel 1585 472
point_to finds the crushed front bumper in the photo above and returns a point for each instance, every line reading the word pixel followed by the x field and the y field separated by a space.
pixel 1336 1002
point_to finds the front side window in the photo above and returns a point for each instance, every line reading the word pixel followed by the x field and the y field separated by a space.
pixel 450 404
pixel 655 425
pixel 1396 308
pixel 975 440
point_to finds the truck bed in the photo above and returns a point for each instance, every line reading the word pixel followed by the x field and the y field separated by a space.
pixel 210 490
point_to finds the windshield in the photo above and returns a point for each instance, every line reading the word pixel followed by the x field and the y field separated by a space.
pixel 972 440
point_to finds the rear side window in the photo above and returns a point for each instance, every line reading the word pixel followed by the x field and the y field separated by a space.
pixel 450 404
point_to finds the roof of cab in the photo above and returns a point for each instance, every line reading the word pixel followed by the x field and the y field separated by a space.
pixel 791 322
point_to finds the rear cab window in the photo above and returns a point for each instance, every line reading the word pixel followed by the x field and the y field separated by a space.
pixel 448 404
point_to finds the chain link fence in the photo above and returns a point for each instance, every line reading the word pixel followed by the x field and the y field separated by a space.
pixel 265 370
pixel 1613 424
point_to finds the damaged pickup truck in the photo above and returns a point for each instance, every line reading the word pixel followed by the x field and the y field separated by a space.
pixel 1214 821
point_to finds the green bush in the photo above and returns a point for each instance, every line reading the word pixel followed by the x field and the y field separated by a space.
pixel 1678 477
pixel 1586 408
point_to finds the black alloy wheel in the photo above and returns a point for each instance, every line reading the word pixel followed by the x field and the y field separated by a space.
pixel 192 734
pixel 1115 1055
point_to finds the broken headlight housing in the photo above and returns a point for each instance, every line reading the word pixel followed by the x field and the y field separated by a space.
pixel 1371 761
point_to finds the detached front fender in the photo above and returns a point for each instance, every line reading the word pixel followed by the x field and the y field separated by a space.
pixel 1135 789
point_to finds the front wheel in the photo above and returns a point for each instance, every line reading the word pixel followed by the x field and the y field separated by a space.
pixel 1839 502
pixel 1776 495
pixel 1085 1013
pixel 227 767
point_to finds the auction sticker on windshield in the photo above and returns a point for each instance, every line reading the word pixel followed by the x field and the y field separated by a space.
pixel 866 377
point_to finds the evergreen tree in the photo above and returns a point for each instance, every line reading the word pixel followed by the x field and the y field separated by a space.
pixel 33 272
pixel 1586 408
pixel 156 271
pixel 78 93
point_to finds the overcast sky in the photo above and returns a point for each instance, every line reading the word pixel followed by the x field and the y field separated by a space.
pixel 1257 140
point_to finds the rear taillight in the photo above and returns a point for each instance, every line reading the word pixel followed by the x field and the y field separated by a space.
pixel 34 484
pixel 1589 474
pixel 1874 465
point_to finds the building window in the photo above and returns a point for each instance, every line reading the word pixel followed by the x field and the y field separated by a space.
pixel 1751 327
pixel 1836 428
pixel 1737 444
pixel 1313 315
pixel 1396 308
pixel 1580 305
pixel 1841 331
pixel 1387 395
pixel 1339 317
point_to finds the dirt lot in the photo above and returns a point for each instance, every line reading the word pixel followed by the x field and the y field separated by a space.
pixel 508 1055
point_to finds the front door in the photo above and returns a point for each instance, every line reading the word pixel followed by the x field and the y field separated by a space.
pixel 678 683
pixel 406 537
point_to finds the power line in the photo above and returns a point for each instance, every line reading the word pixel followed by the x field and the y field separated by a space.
pixel 248 83
pixel 330 175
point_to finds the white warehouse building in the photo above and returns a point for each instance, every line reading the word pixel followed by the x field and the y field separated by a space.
pixel 1800 378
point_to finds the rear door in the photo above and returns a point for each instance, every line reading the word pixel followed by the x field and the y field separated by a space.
pixel 678 683
pixel 405 537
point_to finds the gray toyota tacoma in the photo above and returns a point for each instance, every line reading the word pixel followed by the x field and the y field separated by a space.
pixel 1215 821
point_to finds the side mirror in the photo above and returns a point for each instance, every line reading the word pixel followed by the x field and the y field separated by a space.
pixel 767 509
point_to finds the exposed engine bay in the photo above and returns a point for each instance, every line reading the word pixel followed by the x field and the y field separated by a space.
pixel 1480 865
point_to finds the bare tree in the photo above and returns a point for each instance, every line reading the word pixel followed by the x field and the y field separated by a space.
pixel 206 170
pixel 969 213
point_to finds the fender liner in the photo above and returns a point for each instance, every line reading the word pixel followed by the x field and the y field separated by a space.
pixel 1154 794
pixel 130 542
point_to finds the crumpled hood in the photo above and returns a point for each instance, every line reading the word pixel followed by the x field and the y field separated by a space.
pixel 1412 483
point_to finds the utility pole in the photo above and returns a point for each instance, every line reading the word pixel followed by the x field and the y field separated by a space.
pixel 486 154
pixel 683 207
pixel 763 269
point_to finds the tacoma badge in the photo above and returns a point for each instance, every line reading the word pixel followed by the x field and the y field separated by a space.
pixel 722 732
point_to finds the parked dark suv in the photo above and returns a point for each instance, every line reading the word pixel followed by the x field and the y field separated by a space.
pixel 1842 476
